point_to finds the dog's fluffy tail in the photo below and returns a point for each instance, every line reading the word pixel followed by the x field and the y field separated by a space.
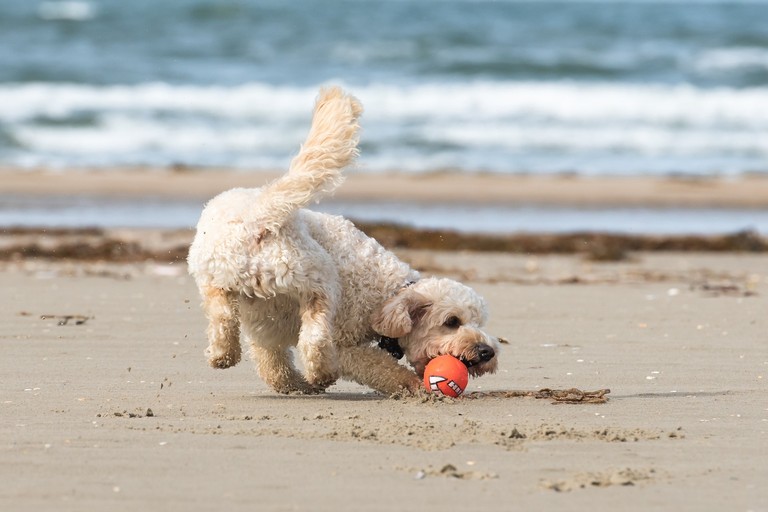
pixel 330 147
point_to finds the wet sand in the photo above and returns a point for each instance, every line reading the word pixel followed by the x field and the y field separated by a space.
pixel 561 190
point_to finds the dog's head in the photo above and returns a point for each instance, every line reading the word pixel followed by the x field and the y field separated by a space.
pixel 433 317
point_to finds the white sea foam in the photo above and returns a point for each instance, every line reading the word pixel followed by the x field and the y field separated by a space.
pixel 66 10
pixel 57 100
pixel 519 126
pixel 566 101
pixel 729 59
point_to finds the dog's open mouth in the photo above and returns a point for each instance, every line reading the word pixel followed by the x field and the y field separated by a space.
pixel 469 363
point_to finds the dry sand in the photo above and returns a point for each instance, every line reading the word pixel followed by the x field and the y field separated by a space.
pixel 117 410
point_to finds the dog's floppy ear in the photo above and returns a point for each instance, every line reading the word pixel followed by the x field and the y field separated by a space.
pixel 398 315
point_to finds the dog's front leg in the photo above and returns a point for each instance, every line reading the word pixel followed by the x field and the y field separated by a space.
pixel 318 352
pixel 221 308
pixel 376 368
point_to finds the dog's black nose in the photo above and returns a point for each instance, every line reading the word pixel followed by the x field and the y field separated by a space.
pixel 485 352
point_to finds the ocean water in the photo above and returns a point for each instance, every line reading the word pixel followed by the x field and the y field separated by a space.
pixel 584 87
pixel 155 212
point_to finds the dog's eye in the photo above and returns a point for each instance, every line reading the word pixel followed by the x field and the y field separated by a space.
pixel 453 322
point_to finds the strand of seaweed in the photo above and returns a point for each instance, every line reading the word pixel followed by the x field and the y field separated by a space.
pixel 558 396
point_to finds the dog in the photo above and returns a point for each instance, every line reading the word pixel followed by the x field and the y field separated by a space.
pixel 283 276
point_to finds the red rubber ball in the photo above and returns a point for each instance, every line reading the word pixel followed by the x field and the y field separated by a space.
pixel 446 375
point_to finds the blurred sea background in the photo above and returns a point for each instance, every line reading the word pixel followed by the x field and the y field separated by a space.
pixel 584 88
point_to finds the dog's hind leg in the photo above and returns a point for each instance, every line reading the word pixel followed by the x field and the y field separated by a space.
pixel 275 367
pixel 271 328
pixel 221 308
pixel 318 353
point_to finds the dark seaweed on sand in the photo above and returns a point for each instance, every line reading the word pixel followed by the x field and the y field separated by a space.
pixel 93 244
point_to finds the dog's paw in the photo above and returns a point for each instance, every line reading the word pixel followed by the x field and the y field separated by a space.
pixel 222 359
pixel 409 387
pixel 297 386
pixel 413 387
pixel 301 390
pixel 322 375
pixel 319 383
pixel 310 390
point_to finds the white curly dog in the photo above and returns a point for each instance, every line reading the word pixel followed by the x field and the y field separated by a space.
pixel 285 276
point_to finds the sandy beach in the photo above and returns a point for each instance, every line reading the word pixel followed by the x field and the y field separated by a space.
pixel 107 401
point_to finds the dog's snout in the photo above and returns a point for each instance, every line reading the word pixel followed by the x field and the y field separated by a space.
pixel 485 352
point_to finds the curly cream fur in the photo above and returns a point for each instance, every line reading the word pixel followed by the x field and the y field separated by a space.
pixel 285 277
